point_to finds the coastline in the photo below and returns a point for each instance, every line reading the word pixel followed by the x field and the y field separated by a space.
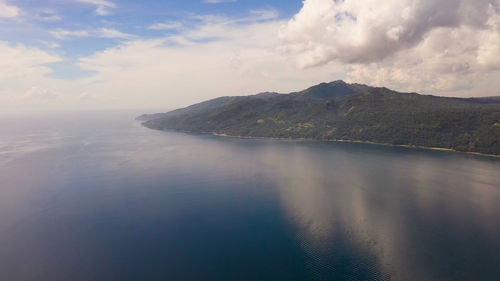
pixel 362 142
pixel 340 141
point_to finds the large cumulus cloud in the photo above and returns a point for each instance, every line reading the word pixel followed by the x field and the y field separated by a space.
pixel 365 31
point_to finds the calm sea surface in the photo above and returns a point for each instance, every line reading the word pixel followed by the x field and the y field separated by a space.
pixel 98 197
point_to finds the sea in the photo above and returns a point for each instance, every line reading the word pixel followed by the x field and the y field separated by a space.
pixel 96 196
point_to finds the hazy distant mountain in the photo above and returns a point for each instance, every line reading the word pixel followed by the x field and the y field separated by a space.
pixel 342 111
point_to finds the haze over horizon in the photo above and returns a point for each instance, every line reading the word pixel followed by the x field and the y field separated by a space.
pixel 100 54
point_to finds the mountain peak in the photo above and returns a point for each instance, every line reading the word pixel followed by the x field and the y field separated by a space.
pixel 334 89
pixel 338 82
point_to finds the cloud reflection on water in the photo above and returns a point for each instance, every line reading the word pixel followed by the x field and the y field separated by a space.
pixel 386 207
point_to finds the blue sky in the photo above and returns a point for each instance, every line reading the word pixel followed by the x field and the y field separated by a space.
pixel 131 17
pixel 42 18
pixel 91 54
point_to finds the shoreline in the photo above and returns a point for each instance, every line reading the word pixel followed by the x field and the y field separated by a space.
pixel 362 142
pixel 343 141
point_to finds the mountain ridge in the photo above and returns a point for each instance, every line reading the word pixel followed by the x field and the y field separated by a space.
pixel 347 112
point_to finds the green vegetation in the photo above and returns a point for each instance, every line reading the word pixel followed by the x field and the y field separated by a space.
pixel 354 112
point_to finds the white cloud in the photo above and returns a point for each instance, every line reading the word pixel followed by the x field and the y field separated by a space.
pixel 426 45
pixel 63 33
pixel 214 55
pixel 165 26
pixel 51 45
pixel 103 6
pixel 22 74
pixel 112 33
pixel 8 11
pixel 443 62
pixel 364 31
pixel 254 16
pixel 263 15
pixel 18 62
pixel 101 33
pixel 242 59
pixel 27 86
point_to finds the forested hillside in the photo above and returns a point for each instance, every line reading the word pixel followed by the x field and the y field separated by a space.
pixel 342 111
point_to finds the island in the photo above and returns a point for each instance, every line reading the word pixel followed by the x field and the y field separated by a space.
pixel 339 111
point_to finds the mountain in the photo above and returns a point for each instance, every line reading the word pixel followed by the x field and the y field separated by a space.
pixel 330 90
pixel 347 112
pixel 206 105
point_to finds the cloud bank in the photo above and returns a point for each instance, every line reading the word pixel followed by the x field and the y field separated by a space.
pixel 209 57
pixel 22 74
pixel 364 31
pixel 430 45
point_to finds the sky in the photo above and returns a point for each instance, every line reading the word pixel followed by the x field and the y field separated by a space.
pixel 110 54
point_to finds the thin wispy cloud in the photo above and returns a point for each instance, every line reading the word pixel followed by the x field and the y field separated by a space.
pixel 262 14
pixel 165 26
pixel 253 17
pixel 100 33
pixel 51 45
pixel 112 33
pixel 50 18
pixel 64 34
pixel 103 6
pixel 48 15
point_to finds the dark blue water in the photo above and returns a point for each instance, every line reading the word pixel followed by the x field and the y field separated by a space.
pixel 98 197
